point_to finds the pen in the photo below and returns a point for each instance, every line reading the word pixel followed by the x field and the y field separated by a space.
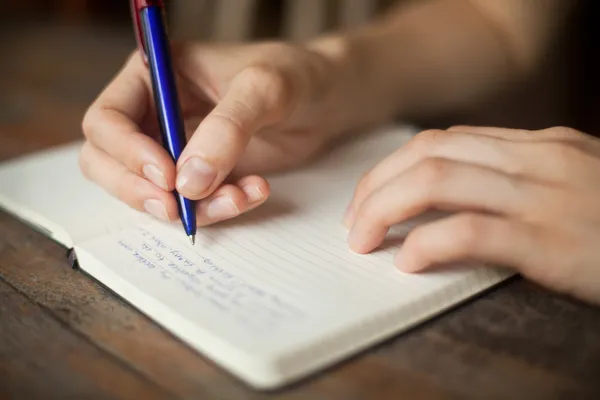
pixel 153 43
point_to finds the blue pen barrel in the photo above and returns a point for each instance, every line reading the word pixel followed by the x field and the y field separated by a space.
pixel 166 98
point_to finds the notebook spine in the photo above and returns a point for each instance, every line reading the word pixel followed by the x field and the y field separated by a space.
pixel 72 258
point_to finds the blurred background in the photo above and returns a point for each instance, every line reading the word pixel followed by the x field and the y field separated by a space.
pixel 57 55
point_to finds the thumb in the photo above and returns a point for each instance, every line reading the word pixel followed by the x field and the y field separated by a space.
pixel 257 96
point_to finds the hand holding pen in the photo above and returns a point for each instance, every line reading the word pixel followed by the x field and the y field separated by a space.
pixel 247 110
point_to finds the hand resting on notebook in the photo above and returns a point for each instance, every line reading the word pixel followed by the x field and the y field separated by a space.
pixel 524 199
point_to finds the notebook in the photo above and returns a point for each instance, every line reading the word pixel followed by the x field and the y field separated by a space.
pixel 273 296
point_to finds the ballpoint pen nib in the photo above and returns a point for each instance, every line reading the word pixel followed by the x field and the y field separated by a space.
pixel 192 239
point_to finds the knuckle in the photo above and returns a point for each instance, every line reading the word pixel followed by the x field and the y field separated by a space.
pixel 432 171
pixel 431 135
pixel 274 86
pixel 565 132
pixel 425 142
pixel 234 127
pixel 262 77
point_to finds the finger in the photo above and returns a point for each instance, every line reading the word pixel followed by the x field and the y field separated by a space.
pixel 257 97
pixel 231 200
pixel 554 133
pixel 133 190
pixel 496 132
pixel 535 252
pixel 112 125
pixel 469 237
pixel 550 161
pixel 555 156
pixel 457 146
pixel 437 184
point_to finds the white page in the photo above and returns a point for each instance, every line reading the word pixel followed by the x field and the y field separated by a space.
pixel 277 293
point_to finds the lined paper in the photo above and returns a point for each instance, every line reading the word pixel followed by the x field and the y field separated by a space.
pixel 264 291
pixel 283 275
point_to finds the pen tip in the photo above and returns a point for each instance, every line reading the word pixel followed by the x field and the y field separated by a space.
pixel 192 239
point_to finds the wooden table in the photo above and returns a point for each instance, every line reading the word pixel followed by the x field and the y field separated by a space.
pixel 63 336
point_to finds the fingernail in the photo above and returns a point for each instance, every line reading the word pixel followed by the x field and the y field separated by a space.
pixel 156 208
pixel 195 176
pixel 354 241
pixel 253 193
pixel 222 207
pixel 154 174
pixel 402 263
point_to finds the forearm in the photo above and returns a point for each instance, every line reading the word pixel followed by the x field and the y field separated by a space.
pixel 439 56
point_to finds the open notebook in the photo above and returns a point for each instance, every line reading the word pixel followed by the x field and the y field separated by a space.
pixel 272 296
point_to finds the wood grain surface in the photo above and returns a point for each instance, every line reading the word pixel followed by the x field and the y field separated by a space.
pixel 62 335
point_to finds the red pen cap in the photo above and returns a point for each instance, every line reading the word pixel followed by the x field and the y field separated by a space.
pixel 136 7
